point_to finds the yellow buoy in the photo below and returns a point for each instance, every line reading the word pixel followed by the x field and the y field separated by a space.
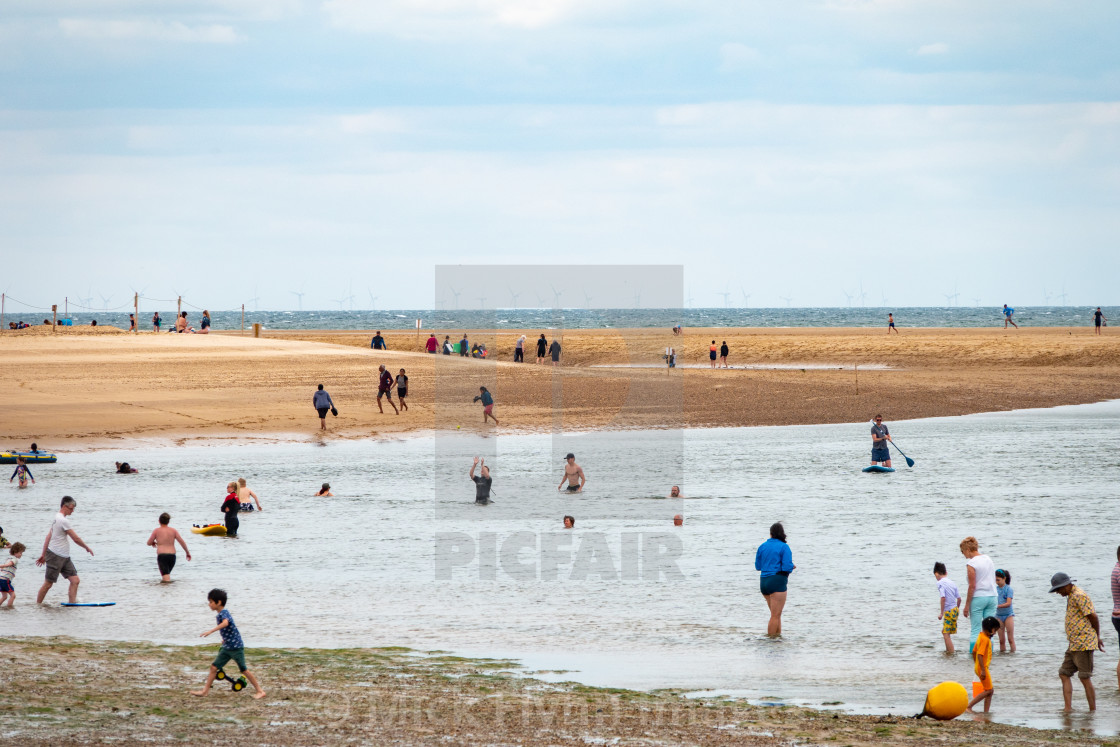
pixel 946 701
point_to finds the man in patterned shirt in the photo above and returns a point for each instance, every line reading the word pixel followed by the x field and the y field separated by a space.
pixel 1116 602
pixel 1083 630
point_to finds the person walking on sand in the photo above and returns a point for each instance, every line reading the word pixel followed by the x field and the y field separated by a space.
pixel 573 475
pixel 542 348
pixel 712 354
pixel 1083 631
pixel 774 561
pixel 157 320
pixel 487 400
pixel 723 351
pixel 131 322
pixel 1007 314
pixel 244 493
pixel 890 324
pixel 482 482
pixel 981 599
pixel 554 351
pixel 385 386
pixel 378 342
pixel 323 404
pixel 880 434
pixel 433 344
pixel 519 350
pixel 402 390
pixel 1098 318
pixel 163 539
pixel 56 552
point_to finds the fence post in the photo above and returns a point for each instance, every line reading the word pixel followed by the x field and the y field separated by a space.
pixel 3 297
pixel 179 309
pixel 243 324
pixel 136 312
pixel 54 317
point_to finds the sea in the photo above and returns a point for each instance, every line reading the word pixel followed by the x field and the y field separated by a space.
pixel 402 555
pixel 574 318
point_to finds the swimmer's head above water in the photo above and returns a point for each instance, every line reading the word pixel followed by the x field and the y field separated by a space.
pixel 675 492
pixel 569 522
pixel 678 520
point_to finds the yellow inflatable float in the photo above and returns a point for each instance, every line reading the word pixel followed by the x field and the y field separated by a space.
pixel 946 701
pixel 211 530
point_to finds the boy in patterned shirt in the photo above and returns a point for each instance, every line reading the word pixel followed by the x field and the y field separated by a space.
pixel 232 645
pixel 948 605
pixel 8 574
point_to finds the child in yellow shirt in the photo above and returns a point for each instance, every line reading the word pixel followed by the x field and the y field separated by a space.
pixel 982 658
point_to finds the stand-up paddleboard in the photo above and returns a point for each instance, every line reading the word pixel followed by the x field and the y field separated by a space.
pixel 88 604
pixel 878 468
pixel 211 530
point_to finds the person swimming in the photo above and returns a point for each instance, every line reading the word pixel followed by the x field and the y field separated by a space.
pixel 325 491
pixel 124 468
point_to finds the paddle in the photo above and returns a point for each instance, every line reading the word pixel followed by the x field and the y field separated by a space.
pixel 909 461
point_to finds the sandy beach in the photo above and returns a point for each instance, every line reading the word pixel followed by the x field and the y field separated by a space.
pixel 80 387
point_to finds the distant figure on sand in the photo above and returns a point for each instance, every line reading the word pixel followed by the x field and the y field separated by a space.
pixel 723 351
pixel 482 482
pixel 487 400
pixel 554 351
pixel 56 552
pixel 542 348
pixel 323 404
pixel 981 599
pixel 378 342
pixel 157 320
pixel 244 493
pixel 204 325
pixel 231 506
pixel 131 322
pixel 880 434
pixel 890 324
pixel 1083 631
pixel 22 472
pixel 1005 610
pixel 402 390
pixel 124 468
pixel 232 645
pixel 163 539
pixel 1007 314
pixel 774 560
pixel 949 604
pixel 181 322
pixel 464 347
pixel 385 386
pixel 712 354
pixel 519 350
pixel 432 345
pixel 981 660
pixel 573 475
pixel 8 574
pixel 1098 319
pixel 325 491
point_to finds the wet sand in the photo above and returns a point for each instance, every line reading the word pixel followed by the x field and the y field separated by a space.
pixel 76 692
pixel 81 387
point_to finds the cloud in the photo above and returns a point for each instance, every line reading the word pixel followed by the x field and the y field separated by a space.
pixel 935 48
pixel 427 18
pixel 735 57
pixel 173 31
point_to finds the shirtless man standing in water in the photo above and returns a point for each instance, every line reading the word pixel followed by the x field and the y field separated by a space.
pixel 573 475
pixel 163 539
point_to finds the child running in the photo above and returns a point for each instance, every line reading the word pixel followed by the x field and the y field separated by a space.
pixel 982 657
pixel 1005 610
pixel 163 539
pixel 487 400
pixel 22 472
pixel 8 574
pixel 949 606
pixel 232 645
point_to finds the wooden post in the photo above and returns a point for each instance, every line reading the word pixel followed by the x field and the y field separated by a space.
pixel 857 379
pixel 179 311
pixel 3 297
pixel 67 313
pixel 136 310
pixel 256 329
pixel 242 319
pixel 54 317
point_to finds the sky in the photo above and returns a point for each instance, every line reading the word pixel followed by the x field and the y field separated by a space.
pixel 228 150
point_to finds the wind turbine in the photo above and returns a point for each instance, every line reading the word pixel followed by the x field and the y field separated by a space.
pixel 299 298
pixel 372 298
pixel 951 298
pixel 975 301
pixel 540 299
pixel 638 299
pixel 849 296
pixel 255 299
pixel 105 301
pixel 555 296
pixel 884 297
pixel 726 298
pixel 1046 296
pixel 787 299
pixel 455 293
pixel 513 298
pixel 341 303
pixel 690 298
pixel 862 296
pixel 746 297
pixel 586 299
pixel 482 302
pixel 1062 295
pixel 350 298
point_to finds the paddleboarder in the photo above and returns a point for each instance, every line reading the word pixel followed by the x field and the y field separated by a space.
pixel 880 434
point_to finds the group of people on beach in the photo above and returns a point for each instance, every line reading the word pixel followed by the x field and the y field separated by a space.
pixel 545 349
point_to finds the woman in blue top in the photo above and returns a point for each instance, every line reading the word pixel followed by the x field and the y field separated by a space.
pixel 775 560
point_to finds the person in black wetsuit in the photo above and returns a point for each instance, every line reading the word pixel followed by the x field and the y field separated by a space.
pixel 542 348
pixel 481 483
pixel 230 506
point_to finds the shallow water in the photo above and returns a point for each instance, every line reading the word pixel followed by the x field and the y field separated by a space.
pixel 625 599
